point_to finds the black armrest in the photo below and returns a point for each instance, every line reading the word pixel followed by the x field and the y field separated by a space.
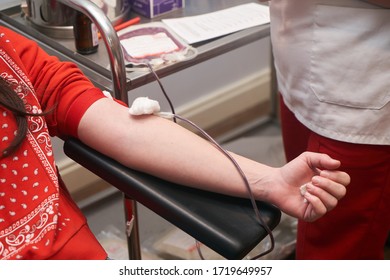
pixel 225 224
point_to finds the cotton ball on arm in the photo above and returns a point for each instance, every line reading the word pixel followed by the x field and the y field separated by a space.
pixel 144 106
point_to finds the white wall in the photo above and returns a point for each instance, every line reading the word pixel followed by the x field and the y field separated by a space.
pixel 211 75
pixel 8 3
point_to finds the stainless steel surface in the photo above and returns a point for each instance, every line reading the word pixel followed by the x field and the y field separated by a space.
pixel 55 19
pixel 111 41
pixel 95 66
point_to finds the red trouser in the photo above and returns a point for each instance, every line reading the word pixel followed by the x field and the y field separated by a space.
pixel 358 227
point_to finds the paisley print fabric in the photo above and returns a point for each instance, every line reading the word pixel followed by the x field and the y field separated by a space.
pixel 37 216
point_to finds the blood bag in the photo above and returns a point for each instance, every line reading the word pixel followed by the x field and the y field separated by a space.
pixel 153 43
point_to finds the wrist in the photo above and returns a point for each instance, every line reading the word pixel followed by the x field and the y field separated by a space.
pixel 264 188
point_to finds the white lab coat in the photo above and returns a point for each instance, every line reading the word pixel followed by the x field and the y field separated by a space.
pixel 332 59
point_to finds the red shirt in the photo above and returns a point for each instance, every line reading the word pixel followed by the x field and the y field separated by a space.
pixel 38 219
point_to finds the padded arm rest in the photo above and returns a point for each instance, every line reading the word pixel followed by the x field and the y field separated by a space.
pixel 227 225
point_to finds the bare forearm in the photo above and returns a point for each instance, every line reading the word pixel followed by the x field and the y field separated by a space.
pixel 160 147
pixel 164 149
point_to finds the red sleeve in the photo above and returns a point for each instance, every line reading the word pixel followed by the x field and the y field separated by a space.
pixel 59 86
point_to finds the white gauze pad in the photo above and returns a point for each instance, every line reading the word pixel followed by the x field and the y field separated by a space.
pixel 144 106
pixel 303 190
